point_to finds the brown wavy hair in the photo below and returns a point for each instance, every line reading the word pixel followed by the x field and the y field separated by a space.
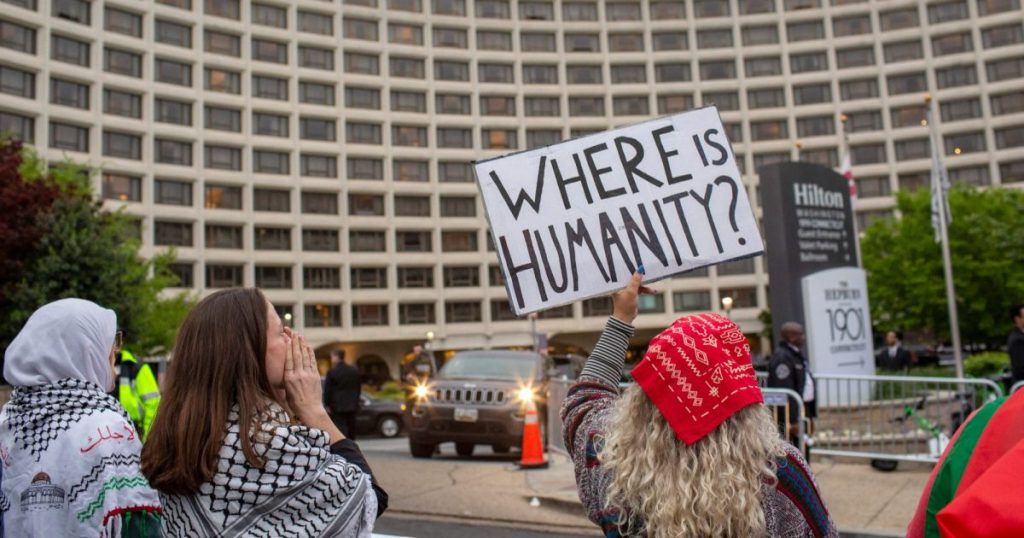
pixel 219 360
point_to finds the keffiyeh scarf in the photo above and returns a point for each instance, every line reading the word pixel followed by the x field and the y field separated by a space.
pixel 303 489
pixel 70 458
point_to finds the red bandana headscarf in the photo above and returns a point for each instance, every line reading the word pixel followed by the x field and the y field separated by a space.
pixel 698 373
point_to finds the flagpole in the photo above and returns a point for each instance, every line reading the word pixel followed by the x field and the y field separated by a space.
pixel 853 196
pixel 947 263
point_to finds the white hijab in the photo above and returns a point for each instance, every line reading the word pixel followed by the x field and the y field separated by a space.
pixel 69 338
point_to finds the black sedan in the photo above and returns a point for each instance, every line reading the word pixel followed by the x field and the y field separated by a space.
pixel 381 417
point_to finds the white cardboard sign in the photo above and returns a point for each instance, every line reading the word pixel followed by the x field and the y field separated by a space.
pixel 576 219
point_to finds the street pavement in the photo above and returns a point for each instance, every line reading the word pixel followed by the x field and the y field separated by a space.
pixel 452 496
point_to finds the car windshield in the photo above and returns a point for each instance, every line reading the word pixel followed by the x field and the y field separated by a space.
pixel 491 365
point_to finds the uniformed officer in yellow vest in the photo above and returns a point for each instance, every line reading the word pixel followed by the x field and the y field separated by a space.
pixel 137 390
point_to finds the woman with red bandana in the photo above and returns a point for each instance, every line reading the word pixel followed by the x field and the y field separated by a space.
pixel 690 450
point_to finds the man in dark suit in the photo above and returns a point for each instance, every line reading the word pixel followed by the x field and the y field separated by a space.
pixel 789 369
pixel 894 356
pixel 1015 343
pixel 342 389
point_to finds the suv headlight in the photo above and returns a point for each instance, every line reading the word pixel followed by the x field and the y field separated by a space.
pixel 526 394
pixel 421 391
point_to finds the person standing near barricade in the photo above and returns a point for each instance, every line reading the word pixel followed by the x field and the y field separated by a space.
pixel 1015 343
pixel 894 356
pixel 789 369
pixel 342 389
pixel 137 390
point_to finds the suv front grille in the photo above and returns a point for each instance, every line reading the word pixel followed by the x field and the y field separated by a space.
pixel 470 396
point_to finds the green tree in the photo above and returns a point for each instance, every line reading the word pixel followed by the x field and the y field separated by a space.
pixel 84 251
pixel 904 264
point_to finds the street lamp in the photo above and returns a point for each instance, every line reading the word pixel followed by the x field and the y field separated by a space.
pixel 727 306
pixel 430 340
pixel 288 319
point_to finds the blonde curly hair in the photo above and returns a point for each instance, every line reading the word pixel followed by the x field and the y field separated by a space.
pixel 664 488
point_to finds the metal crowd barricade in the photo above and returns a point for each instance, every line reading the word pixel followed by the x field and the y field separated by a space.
pixel 1017 386
pixel 894 417
pixel 557 390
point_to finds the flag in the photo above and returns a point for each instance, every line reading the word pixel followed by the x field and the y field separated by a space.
pixel 939 185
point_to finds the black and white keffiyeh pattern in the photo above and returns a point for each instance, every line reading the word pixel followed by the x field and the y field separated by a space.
pixel 303 489
pixel 37 415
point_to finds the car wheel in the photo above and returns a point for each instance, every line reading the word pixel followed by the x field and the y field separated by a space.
pixel 464 450
pixel 389 426
pixel 421 450
pixel 501 449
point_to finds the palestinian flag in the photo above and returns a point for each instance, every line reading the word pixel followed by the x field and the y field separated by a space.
pixel 977 488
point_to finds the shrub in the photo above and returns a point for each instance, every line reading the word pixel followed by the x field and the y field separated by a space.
pixel 986 364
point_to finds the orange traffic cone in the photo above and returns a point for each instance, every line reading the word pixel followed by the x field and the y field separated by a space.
pixel 533 446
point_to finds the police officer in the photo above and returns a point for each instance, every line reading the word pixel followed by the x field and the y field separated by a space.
pixel 137 390
pixel 789 369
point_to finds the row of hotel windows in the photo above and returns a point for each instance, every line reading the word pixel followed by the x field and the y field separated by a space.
pixel 411 313
pixel 230 236
pixel 533 10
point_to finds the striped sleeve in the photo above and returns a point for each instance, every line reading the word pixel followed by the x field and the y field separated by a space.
pixel 605 362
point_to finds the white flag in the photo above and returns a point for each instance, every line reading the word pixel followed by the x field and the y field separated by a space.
pixel 939 188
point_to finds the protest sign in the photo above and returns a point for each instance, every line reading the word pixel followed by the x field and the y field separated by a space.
pixel 576 219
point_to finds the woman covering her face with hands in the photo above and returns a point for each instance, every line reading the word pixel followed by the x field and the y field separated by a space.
pixel 242 444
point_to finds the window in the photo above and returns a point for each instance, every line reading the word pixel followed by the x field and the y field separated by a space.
pixel 867 154
pixel 1005 69
pixel 274 277
pixel 741 297
pixel 122 22
pixel 177 234
pixel 763 67
pixel 855 57
pixel 583 74
pixel 405 5
pixel 415 277
pixel 321 278
pixel 362 133
pixel 176 112
pixel 220 80
pixel 451 70
pixel 1012 172
pixel 537 42
pixel 908 116
pixel 446 103
pixel 961 109
pixel 668 9
pixel 184 273
pixel 270 162
pixel 630 74
pixel 586 106
pixel 316 23
pixel 180 4
pixel 171 72
pixel 458 206
pixel 499 139
pixel 222 157
pixel 872 186
pixel 579 11
pixel 408 101
pixel 1002 36
pixel 316 58
pixel 360 29
pixel 759 35
pixel 622 11
pixel 122 187
pixel 852 25
pixel 449 7
pixel 806 63
pixel 324 315
pixel 317 93
pixel 903 51
pixel 223 236
pixel 718 69
pixel 541 74
pixel 501 73
pixel 809 94
pixel 265 50
pixel 672 72
pixel 454 137
pixel 320 240
pixel 455 172
pixel 914 181
pixel 406 67
pixel 364 168
pixel 497 105
pixel 462 311
pixel 455 38
pixel 691 301
pixel 630 105
pixel 409 136
pixel 1007 137
pixel 267 124
pixel 952 44
pixel 768 130
pixel 669 41
pixel 17 37
pixel 410 171
pixel 222 8
pixel 416 313
pixel 948 11
pixel 274 200
pixel 122 145
pixel 412 206
pixel 459 241
pixel 364 64
pixel 413 241
pixel 804 31
pixel 710 8
pixel 71 10
pixel 317 129
pixel 365 241
pixel 898 19
pixel 668 104
pixel 908 83
pixel 714 39
pixel 319 203
pixel 493 40
pixel 793 5
pixel 366 315
pixel 72 51
pixel 1007 103
pixel 973 175
pixel 493 9
pixel 859 89
pixel 537 11
pixel 366 205
pixel 170 192
pixel 625 42
pixel 222 43
pixel 541 106
pixel 325 166
pixel 990 7
pixel 223 197
pixel 723 100
pixel 815 126
pixel 265 87
pixel 369 278
pixel 915 148
pixel 582 43
pixel 17 82
pixel 173 33
pixel 69 137
pixel 598 306
pixel 67 93
pixel 956 75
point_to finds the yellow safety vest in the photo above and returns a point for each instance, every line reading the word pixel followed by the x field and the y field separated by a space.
pixel 138 392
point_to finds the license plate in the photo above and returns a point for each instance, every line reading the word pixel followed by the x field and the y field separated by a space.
pixel 463 414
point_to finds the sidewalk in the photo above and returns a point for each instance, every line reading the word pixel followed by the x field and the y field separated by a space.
pixel 863 502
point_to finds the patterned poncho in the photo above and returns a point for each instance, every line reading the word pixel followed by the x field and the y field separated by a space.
pixel 303 489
